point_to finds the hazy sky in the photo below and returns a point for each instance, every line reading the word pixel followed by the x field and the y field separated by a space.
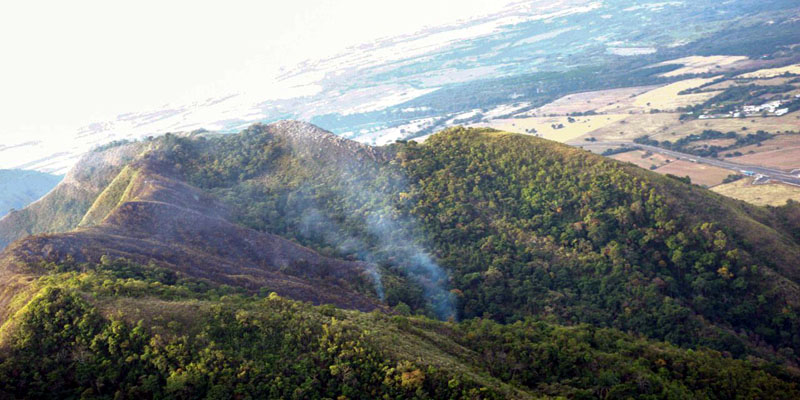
pixel 66 63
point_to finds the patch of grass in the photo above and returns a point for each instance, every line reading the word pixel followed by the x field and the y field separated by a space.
pixel 114 195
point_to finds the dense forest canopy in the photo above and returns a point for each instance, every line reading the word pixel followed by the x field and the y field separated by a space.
pixel 119 330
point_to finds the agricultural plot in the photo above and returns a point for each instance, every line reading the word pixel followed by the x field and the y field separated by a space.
pixel 653 111
pixel 703 64
pixel 712 142
pixel 772 72
pixel 784 123
pixel 668 97
pixel 613 101
pixel 771 194
pixel 560 129
pixel 643 159
pixel 778 81
pixel 633 126
pixel 668 126
pixel 782 152
pixel 700 174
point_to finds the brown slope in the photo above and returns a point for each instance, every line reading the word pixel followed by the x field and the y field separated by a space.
pixel 178 226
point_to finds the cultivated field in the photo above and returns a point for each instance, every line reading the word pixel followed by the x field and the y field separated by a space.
pixel 613 101
pixel 668 126
pixel 643 159
pixel 667 97
pixel 703 64
pixel 713 142
pixel 788 122
pixel 550 127
pixel 771 72
pixel 782 152
pixel 700 174
pixel 771 194
pixel 633 126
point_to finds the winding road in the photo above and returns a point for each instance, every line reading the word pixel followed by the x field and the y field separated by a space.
pixel 771 173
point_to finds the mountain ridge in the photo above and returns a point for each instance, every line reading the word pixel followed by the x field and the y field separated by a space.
pixel 515 236
pixel 164 220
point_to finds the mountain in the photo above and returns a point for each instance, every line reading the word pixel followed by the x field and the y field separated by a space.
pixel 147 213
pixel 64 207
pixel 475 71
pixel 18 188
pixel 248 264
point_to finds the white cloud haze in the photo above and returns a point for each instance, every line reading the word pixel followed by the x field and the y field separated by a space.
pixel 67 63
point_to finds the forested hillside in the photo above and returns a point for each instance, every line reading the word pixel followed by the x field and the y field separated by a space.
pixel 118 329
pixel 536 228
pixel 538 254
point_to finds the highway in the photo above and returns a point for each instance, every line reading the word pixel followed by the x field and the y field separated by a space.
pixel 773 174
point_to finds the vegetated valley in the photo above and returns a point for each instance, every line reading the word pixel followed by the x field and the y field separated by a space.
pixel 287 262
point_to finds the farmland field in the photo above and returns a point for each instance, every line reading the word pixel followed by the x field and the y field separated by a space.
pixel 550 127
pixel 743 82
pixel 702 65
pixel 771 194
pixel 668 126
pixel 700 174
pixel 667 97
pixel 643 159
pixel 772 72
pixel 604 101
pixel 788 122
pixel 712 142
pixel 782 152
